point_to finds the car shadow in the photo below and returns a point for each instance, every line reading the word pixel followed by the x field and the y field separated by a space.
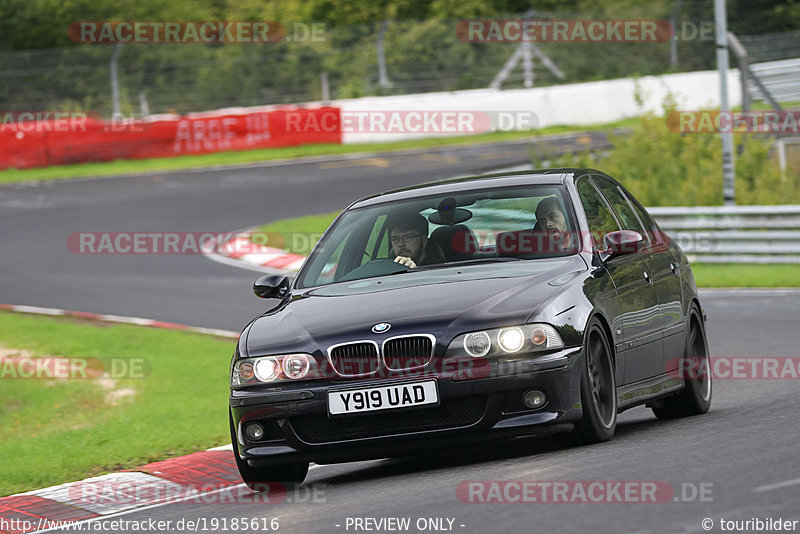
pixel 470 456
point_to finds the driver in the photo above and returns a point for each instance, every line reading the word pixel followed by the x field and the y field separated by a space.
pixel 551 221
pixel 408 234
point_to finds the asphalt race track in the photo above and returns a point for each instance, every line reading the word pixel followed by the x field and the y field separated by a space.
pixel 742 454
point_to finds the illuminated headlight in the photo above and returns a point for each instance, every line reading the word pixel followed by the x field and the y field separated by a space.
pixel 270 369
pixel 267 369
pixel 477 344
pixel 296 366
pixel 511 339
pixel 526 338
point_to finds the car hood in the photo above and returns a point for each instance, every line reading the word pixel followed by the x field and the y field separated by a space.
pixel 443 302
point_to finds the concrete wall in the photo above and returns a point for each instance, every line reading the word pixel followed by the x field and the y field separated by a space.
pixel 571 104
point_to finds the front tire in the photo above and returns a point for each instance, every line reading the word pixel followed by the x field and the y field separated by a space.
pixel 598 390
pixel 259 479
pixel 695 397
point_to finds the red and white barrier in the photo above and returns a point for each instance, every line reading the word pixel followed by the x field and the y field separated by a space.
pixel 78 138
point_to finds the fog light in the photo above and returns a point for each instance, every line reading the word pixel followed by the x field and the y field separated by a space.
pixel 533 398
pixel 511 339
pixel 254 431
pixel 477 344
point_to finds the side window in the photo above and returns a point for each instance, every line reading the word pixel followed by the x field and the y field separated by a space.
pixel 647 221
pixel 601 220
pixel 615 197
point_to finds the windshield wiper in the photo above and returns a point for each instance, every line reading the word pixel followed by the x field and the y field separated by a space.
pixel 474 261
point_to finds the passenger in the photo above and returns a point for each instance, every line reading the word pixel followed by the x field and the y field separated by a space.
pixel 552 222
pixel 408 234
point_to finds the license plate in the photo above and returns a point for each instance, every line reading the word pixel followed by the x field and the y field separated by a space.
pixel 383 397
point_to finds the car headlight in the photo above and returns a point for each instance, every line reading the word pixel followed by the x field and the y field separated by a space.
pixel 477 344
pixel 269 369
pixel 508 340
pixel 511 339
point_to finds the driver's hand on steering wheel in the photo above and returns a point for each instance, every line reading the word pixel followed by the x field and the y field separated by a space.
pixel 408 262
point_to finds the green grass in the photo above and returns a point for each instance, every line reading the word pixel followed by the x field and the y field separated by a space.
pixel 122 167
pixel 298 234
pixel 746 275
pixel 53 431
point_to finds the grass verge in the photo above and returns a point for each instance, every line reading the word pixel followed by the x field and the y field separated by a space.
pixel 57 430
pixel 706 274
pixel 134 166
pixel 297 234
pixel 746 275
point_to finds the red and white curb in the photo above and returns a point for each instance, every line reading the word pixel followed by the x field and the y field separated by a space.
pixel 139 321
pixel 207 477
pixel 240 251
pixel 190 478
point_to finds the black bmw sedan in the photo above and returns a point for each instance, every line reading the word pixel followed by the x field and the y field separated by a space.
pixel 468 310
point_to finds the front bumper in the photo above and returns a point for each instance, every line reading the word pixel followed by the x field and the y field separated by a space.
pixel 471 410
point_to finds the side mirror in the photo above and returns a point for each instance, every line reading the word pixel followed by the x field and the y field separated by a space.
pixel 272 286
pixel 622 242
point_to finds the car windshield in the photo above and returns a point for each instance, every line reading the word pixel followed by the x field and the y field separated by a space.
pixel 458 229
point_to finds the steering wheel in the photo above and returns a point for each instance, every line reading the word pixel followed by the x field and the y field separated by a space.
pixel 379 267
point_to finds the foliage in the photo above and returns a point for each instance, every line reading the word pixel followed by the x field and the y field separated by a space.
pixel 44 69
pixel 662 167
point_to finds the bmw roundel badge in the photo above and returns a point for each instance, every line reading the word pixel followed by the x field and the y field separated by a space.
pixel 380 328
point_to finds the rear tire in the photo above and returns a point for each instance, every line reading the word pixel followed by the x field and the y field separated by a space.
pixel 259 479
pixel 695 397
pixel 598 390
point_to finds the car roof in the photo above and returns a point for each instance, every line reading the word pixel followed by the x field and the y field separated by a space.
pixel 483 181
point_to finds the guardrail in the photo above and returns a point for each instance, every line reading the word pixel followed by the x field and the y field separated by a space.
pixel 734 234
pixel 781 79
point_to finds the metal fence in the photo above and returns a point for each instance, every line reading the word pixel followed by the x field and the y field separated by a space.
pixel 734 234
pixel 397 57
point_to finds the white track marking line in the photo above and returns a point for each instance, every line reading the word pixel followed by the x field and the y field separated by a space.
pixel 227 447
pixel 37 310
pixel 118 319
pixel 778 485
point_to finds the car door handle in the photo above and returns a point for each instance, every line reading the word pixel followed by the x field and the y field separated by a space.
pixel 647 277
